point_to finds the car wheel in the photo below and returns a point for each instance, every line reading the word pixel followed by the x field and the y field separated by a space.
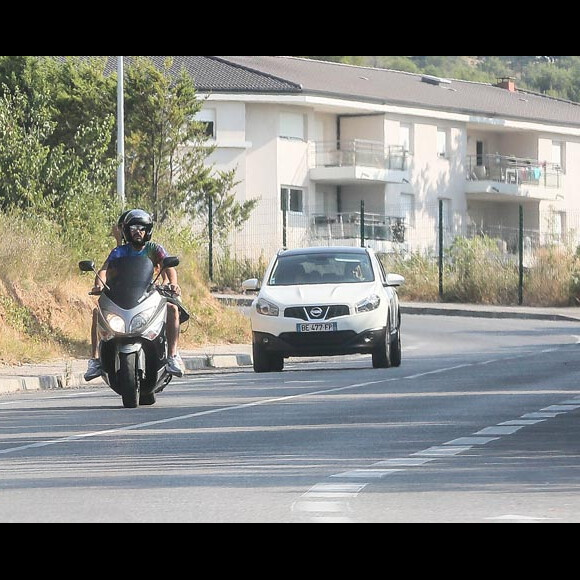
pixel 266 363
pixel 397 350
pixel 276 364
pixel 382 355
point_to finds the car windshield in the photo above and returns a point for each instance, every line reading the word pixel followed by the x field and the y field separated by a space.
pixel 329 268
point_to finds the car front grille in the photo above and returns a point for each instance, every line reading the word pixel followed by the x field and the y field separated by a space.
pixel 316 313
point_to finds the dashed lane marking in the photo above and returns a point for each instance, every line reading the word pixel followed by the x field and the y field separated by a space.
pixel 421 459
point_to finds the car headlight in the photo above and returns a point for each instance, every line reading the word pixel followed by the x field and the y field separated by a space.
pixel 371 304
pixel 266 308
pixel 116 323
pixel 141 320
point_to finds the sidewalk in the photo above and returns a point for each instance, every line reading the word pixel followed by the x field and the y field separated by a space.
pixel 69 374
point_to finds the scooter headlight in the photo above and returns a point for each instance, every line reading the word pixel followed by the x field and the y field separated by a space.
pixel 116 323
pixel 141 320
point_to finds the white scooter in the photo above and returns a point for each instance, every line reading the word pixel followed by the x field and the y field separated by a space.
pixel 132 329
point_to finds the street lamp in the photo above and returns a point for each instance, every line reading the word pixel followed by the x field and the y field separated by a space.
pixel 121 128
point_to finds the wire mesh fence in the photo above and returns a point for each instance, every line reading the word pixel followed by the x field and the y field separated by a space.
pixel 519 255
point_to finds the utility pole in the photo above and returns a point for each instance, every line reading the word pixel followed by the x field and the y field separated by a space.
pixel 121 128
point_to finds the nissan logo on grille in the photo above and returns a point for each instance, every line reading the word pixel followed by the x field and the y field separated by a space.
pixel 316 312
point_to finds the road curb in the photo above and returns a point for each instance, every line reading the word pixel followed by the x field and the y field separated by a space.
pixel 41 383
pixel 489 314
pixel 200 363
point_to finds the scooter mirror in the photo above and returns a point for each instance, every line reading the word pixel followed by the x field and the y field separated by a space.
pixel 171 262
pixel 87 266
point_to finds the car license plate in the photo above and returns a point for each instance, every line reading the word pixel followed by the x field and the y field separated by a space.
pixel 318 327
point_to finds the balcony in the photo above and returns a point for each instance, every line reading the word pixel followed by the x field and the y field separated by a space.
pixel 341 229
pixel 500 178
pixel 359 162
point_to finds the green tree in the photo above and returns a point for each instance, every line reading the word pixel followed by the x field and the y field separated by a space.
pixel 168 149
pixel 68 186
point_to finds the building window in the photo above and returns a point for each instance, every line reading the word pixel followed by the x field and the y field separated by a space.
pixel 480 154
pixel 559 155
pixel 408 209
pixel 442 143
pixel 207 118
pixel 406 137
pixel 293 126
pixel 292 200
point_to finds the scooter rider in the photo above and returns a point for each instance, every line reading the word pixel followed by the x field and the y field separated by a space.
pixel 137 233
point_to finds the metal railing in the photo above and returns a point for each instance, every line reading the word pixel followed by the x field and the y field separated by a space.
pixel 356 225
pixel 513 170
pixel 360 153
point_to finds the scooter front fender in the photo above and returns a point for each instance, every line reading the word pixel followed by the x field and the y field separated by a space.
pixel 129 348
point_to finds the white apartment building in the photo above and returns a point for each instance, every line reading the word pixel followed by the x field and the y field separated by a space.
pixel 325 137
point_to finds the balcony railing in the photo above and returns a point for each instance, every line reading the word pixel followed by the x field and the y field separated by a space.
pixel 360 153
pixel 514 171
pixel 348 226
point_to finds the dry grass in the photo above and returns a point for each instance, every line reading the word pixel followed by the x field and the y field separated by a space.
pixel 45 309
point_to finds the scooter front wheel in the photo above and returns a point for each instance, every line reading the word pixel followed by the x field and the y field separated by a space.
pixel 129 380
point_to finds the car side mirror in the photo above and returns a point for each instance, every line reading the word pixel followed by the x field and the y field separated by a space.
pixel 395 281
pixel 252 285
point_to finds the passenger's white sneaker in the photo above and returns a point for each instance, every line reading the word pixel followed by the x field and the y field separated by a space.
pixel 94 371
pixel 175 366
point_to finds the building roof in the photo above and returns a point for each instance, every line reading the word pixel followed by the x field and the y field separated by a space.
pixel 285 75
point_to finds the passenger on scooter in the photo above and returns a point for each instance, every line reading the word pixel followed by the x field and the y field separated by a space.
pixel 95 369
pixel 137 231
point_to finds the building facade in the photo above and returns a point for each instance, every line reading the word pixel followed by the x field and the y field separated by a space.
pixel 318 146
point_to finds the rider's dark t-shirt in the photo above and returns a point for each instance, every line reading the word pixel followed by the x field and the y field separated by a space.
pixel 155 252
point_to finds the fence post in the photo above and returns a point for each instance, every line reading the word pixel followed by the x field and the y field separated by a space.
pixel 210 231
pixel 522 269
pixel 362 224
pixel 285 204
pixel 441 249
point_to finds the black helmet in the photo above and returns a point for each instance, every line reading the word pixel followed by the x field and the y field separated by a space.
pixel 122 217
pixel 138 217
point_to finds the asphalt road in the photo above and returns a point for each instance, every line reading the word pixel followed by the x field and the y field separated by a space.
pixel 481 424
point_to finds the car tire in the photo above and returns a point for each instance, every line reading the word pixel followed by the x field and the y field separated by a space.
pixel 266 363
pixel 397 350
pixel 276 364
pixel 382 354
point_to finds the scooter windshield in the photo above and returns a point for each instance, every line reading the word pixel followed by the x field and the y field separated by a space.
pixel 128 280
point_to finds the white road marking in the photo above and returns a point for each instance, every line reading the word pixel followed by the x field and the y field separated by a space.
pixel 335 491
pixel 440 371
pixel 408 462
pixel 367 474
pixel 465 441
pixel 524 422
pixel 561 408
pixel 442 452
pixel 541 415
pixel 521 519
pixel 319 507
pixel 504 430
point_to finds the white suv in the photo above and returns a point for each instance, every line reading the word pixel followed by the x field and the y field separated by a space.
pixel 325 302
